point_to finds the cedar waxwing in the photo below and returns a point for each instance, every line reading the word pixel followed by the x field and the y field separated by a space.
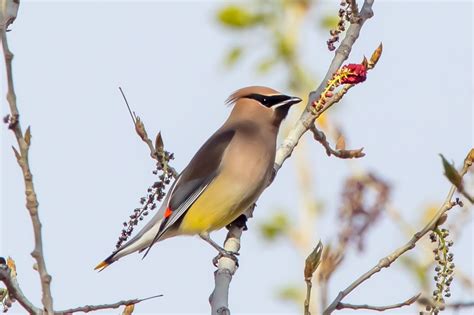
pixel 224 178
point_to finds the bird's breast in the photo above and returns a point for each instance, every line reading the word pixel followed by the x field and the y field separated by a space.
pixel 244 173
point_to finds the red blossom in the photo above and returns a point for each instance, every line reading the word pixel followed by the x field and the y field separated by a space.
pixel 353 73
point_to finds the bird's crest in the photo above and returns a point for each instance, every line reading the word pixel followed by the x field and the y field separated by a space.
pixel 243 92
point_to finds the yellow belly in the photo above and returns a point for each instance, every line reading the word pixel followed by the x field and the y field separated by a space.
pixel 221 203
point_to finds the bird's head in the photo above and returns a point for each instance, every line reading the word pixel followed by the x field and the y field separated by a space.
pixel 262 102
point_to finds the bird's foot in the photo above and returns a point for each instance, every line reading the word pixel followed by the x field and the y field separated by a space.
pixel 240 222
pixel 227 254
pixel 222 251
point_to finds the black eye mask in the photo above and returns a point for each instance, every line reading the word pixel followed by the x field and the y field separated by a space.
pixel 268 101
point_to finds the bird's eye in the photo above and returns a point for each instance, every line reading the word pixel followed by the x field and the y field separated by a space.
pixel 264 101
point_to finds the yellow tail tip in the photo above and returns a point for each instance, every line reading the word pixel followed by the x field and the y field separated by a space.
pixel 101 266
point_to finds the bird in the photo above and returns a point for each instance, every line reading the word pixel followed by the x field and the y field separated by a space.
pixel 224 178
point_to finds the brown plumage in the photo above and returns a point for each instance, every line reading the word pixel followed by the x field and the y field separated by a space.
pixel 225 176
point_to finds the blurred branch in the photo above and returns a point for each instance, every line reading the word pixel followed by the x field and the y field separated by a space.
pixel 460 305
pixel 408 302
pixel 91 308
pixel 24 141
pixel 467 196
pixel 311 264
pixel 342 153
pixel 386 261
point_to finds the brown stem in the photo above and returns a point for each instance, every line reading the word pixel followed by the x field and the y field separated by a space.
pixel 91 308
pixel 31 198
pixel 307 301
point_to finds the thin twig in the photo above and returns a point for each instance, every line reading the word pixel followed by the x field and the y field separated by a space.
pixel 22 159
pixel 467 196
pixel 307 300
pixel 91 308
pixel 459 305
pixel 389 259
pixel 408 302
pixel 132 114
pixel 156 153
pixel 319 136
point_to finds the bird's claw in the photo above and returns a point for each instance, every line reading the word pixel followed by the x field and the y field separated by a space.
pixel 227 254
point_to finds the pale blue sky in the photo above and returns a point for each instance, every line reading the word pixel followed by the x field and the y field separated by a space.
pixel 91 169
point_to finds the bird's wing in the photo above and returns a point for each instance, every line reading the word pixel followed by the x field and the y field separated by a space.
pixel 195 178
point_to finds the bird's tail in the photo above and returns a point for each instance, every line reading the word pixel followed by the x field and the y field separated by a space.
pixel 140 242
pixel 106 262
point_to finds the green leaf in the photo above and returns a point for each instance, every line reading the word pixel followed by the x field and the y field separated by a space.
pixel 233 56
pixel 285 47
pixel 239 17
pixel 291 293
pixel 451 173
pixel 275 227
pixel 266 65
pixel 329 22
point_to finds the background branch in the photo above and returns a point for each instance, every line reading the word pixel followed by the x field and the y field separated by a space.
pixel 408 302
pixel 389 259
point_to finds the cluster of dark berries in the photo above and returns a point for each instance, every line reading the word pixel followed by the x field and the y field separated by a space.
pixel 444 269
pixel 347 13
pixel 155 194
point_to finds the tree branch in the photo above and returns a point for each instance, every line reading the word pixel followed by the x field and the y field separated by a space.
pixel 226 268
pixel 386 261
pixel 307 118
pixel 319 136
pixel 408 302
pixel 14 290
pixel 23 141
pixel 219 296
pixel 91 308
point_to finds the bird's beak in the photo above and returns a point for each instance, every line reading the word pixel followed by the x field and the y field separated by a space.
pixel 291 101
pixel 294 100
